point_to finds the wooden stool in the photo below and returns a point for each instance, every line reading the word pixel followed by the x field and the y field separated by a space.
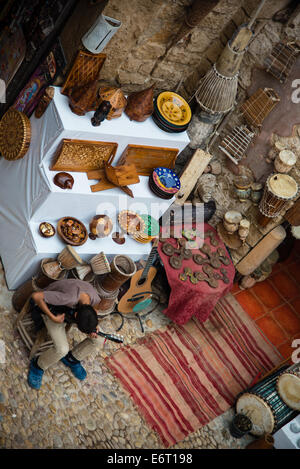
pixel 36 342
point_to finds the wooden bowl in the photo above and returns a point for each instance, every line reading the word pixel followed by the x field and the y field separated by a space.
pixel 46 229
pixel 131 222
pixel 101 226
pixel 79 231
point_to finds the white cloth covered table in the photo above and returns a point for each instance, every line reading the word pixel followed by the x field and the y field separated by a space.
pixel 28 195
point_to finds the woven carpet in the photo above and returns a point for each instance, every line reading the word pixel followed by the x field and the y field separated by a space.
pixel 182 377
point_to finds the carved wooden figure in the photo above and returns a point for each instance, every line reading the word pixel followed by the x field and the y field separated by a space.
pixel 116 98
pixel 63 180
pixel 140 105
pixel 84 98
pixel 101 113
pixel 44 102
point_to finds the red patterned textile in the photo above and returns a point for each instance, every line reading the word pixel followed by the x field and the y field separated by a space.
pixel 182 377
pixel 187 300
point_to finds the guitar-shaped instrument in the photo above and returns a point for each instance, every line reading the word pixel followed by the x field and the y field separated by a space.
pixel 139 294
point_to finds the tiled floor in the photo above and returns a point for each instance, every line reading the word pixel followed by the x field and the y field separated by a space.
pixel 275 303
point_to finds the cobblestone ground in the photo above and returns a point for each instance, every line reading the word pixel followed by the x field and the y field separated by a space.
pixel 95 413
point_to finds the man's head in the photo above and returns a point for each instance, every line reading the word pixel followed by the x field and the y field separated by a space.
pixel 86 318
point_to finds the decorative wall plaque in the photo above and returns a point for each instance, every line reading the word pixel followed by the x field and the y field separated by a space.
pixel 82 155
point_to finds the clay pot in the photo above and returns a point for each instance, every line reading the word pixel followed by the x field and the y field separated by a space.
pixel 242 187
pixel 243 230
pixel 256 192
pixel 206 186
pixel 231 221
pixel 140 105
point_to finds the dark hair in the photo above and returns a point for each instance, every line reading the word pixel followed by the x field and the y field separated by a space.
pixel 86 318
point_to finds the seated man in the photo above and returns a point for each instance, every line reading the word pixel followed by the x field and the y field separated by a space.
pixel 64 301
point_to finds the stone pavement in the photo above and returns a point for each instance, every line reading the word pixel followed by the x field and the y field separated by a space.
pixel 96 413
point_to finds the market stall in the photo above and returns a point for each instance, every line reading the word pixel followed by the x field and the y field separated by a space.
pixel 29 196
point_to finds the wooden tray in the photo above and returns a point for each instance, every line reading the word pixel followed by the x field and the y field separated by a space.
pixel 146 158
pixel 86 68
pixel 67 240
pixel 82 155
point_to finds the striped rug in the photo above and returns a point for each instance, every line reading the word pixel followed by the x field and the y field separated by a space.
pixel 182 377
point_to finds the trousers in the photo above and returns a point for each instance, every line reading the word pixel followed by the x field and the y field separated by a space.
pixel 57 332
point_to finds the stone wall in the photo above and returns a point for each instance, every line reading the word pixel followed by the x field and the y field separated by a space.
pixel 142 52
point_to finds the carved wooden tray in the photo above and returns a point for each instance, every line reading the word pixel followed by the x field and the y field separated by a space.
pixel 15 133
pixel 86 68
pixel 82 155
pixel 146 158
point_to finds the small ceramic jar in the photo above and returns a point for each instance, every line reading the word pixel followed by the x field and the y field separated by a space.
pixel 242 188
pixel 244 227
pixel 231 221
pixel 284 161
pixel 256 192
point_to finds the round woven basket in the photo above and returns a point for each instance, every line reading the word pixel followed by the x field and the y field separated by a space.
pixel 15 134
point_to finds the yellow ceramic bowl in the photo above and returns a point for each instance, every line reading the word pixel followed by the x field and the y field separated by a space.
pixel 174 108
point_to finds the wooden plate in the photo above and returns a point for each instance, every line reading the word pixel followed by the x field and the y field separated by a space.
pixel 65 238
pixel 15 133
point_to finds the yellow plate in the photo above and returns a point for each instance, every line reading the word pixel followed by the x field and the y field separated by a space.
pixel 174 108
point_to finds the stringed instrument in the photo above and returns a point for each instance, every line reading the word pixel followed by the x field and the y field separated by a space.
pixel 139 294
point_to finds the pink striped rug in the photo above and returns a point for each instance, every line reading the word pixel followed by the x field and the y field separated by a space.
pixel 182 377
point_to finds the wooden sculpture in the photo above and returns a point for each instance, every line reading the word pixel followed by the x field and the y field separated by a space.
pixel 63 180
pixel 101 113
pixel 116 98
pixel 122 176
pixel 84 98
pixel 140 105
pixel 44 102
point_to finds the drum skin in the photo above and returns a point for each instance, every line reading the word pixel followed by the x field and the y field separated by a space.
pixel 288 387
pixel 258 411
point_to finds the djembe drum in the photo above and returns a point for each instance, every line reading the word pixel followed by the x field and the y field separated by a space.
pixel 279 190
pixel 264 406
pixel 288 387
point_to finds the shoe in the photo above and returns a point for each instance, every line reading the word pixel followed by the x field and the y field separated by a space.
pixel 35 375
pixel 76 368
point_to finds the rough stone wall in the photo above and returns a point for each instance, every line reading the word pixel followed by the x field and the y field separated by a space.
pixel 142 53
